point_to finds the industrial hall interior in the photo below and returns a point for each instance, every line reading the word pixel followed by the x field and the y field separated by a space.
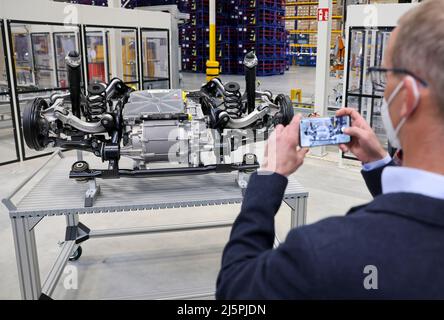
pixel 205 149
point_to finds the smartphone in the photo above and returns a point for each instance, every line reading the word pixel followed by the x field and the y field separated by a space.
pixel 315 132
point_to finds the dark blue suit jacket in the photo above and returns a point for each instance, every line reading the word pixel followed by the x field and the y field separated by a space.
pixel 401 234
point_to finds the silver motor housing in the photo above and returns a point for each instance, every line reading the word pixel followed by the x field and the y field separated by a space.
pixel 156 134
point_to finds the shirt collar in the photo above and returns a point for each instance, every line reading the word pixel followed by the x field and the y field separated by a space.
pixel 410 180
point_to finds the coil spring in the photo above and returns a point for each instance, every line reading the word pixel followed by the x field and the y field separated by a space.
pixel 96 107
pixel 233 100
pixel 96 100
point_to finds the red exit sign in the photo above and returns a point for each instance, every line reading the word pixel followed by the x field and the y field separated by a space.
pixel 323 14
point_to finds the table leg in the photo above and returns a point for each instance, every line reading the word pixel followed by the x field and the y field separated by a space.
pixel 298 208
pixel 27 261
pixel 72 220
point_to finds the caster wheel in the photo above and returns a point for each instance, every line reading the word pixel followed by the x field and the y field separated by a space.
pixel 76 255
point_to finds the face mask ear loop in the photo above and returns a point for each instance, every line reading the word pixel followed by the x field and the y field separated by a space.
pixel 395 93
pixel 401 123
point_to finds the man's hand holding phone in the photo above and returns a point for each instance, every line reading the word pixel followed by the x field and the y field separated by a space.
pixel 282 152
pixel 364 143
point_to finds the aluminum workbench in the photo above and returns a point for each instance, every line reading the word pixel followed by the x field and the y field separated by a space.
pixel 49 191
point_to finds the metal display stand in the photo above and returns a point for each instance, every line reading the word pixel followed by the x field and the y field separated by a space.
pixel 49 192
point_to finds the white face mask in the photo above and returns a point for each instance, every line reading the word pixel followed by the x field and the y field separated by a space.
pixel 392 133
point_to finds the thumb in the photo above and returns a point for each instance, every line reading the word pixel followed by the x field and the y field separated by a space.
pixel 293 128
pixel 303 151
pixel 294 124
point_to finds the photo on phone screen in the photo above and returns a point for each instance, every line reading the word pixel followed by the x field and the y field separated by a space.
pixel 317 132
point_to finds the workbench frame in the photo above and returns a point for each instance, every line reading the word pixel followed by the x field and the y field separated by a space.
pixel 24 221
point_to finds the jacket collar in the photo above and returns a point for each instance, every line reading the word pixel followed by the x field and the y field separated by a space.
pixel 409 205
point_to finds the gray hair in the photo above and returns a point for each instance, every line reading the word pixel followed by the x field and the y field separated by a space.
pixel 419 46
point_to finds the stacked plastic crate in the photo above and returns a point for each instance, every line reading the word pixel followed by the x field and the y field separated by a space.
pixel 242 26
pixel 227 36
pixel 194 35
pixel 271 37
pixel 245 30
pixel 261 29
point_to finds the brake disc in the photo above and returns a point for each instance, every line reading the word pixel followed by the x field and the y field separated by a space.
pixel 34 126
pixel 286 111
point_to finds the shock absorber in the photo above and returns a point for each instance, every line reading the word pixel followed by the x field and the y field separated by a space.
pixel 74 77
pixel 233 100
pixel 250 63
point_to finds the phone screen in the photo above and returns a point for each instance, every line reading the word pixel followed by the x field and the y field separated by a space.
pixel 317 132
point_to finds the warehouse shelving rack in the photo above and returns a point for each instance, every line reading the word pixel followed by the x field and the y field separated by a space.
pixel 302 48
pixel 243 26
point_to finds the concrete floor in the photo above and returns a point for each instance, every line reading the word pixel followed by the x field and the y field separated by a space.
pixel 175 264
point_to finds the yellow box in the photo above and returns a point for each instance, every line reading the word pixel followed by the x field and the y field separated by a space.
pixel 313 25
pixel 313 10
pixel 303 25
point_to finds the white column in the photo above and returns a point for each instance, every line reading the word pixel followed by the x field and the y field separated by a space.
pixel 115 47
pixel 115 53
pixel 323 63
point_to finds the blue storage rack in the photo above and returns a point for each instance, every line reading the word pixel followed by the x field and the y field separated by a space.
pixel 242 26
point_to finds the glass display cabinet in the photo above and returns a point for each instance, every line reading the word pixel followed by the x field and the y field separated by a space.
pixel 155 59
pixel 39 51
pixel 64 42
pixel 95 50
pixel 23 58
pixel 9 151
pixel 129 55
pixel 366 48
pixel 33 51
pixel 112 52
pixel 43 60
